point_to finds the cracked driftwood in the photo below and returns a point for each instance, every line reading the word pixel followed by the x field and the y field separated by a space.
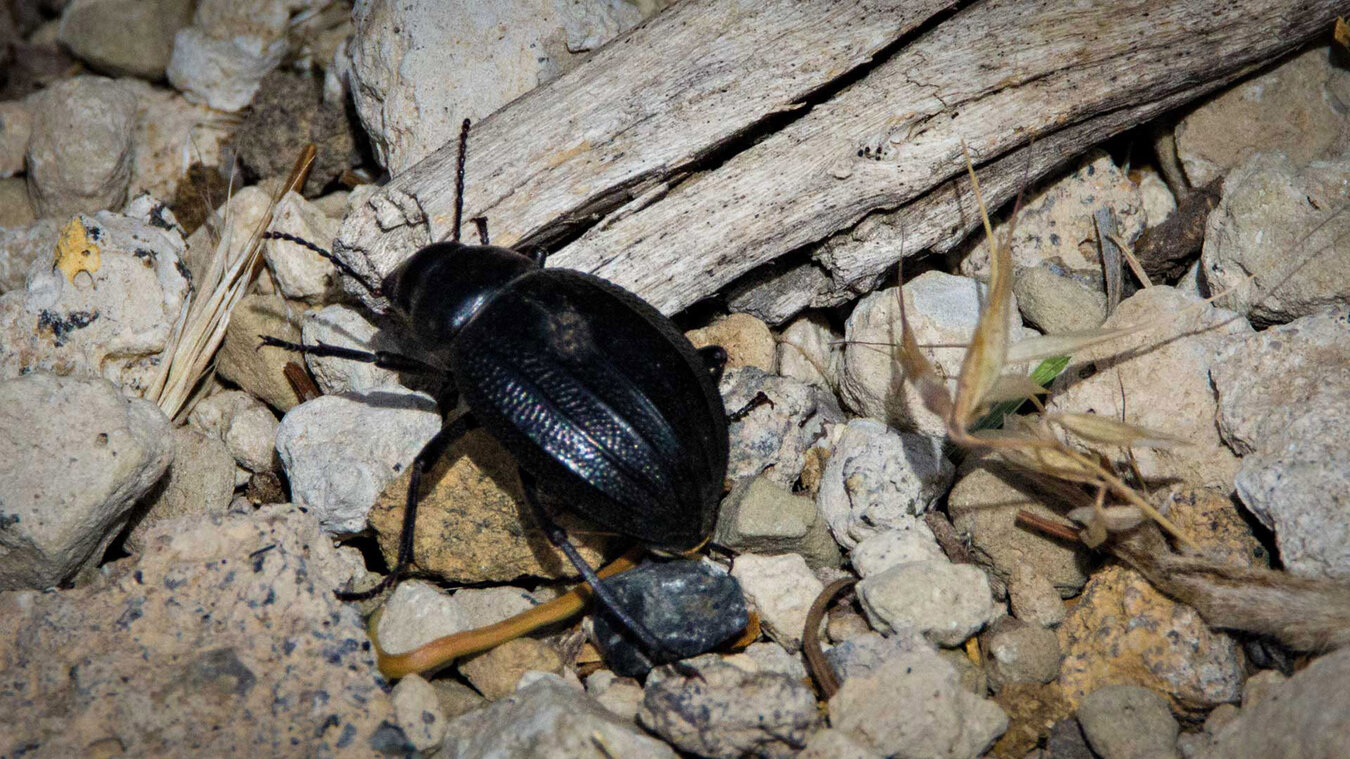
pixel 797 135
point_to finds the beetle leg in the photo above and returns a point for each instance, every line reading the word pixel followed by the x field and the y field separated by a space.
pixel 715 359
pixel 558 537
pixel 383 359
pixel 481 223
pixel 760 399
pixel 539 255
pixel 430 453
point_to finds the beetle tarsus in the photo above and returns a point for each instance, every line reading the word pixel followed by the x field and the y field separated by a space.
pixel 760 399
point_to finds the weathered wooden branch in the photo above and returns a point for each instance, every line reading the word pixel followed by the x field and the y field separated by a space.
pixel 1026 84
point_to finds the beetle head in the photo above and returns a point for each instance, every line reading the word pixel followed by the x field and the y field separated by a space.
pixel 440 287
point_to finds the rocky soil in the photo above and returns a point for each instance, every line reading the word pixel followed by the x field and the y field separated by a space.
pixel 168 570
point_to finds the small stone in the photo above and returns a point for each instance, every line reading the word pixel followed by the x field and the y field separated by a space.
pixel 75 455
pixel 1057 304
pixel 549 720
pixel 864 655
pixel 79 156
pixel 1017 652
pixel 747 341
pixel 984 504
pixel 244 424
pixel 418 712
pixel 772 439
pixel 174 647
pixel 1128 722
pixel 495 673
pixel 1271 223
pixel 972 675
pixel 1056 222
pixel 15 210
pixel 1295 107
pixel 845 624
pixel 909 542
pixel 172 135
pixel 472 522
pixel 1262 685
pixel 260 371
pixel 620 695
pixel 288 113
pixel 1175 351
pixel 124 37
pixel 488 606
pixel 689 606
pixel 948 722
pixel 728 713
pixel 21 246
pixel 1033 599
pixel 223 56
pixel 199 484
pixel 808 350
pixel 341 451
pixel 877 480
pixel 836 744
pixel 1067 741
pixel 401 51
pixel 768 656
pixel 1308 716
pixel 16 127
pixel 77 313
pixel 1284 401
pixel 1033 710
pixel 941 309
pixel 946 602
pixel 456 697
pixel 1159 202
pixel 759 516
pixel 417 613
pixel 782 589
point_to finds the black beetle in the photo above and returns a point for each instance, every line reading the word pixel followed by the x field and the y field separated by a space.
pixel 602 400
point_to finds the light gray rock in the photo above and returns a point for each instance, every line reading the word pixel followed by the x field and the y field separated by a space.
pixel 767 656
pixel 759 516
pixel 547 720
pixel 257 369
pixel 983 505
pixel 417 613
pixel 15 209
pixel 620 695
pixel 746 339
pixel 80 153
pixel 1018 652
pixel 1057 304
pixel 878 480
pixel 771 440
pixel 909 541
pixel 199 484
pixel 168 653
pixel 1034 599
pixel 487 606
pixel 123 37
pixel 418 712
pixel 808 351
pixel 782 589
pixel 347 327
pixel 108 309
pixel 942 309
pixel 1309 716
pixel 230 46
pixel 1128 722
pixel 1297 107
pixel 863 655
pixel 246 427
pixel 946 602
pixel 1055 224
pixel 171 135
pixel 1269 221
pixel 499 51
pixel 21 246
pixel 1284 400
pixel 340 451
pixel 913 705
pixel 74 456
pixel 1174 352
pixel 16 127
pixel 836 744
pixel 728 713
pixel 1159 202
pixel 302 274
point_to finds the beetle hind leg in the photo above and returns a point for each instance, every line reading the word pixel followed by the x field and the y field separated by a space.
pixel 603 595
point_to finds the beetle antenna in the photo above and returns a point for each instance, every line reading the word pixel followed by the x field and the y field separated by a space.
pixel 459 177
pixel 481 223
pixel 349 271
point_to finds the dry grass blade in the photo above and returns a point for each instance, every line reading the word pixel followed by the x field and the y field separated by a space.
pixel 200 331
pixel 1049 346
pixel 984 360
pixel 916 366
pixel 1105 430
pixel 1014 387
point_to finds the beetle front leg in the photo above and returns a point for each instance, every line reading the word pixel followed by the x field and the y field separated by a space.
pixel 383 359
pixel 434 449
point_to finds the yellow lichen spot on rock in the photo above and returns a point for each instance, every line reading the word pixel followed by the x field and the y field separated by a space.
pixel 75 251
